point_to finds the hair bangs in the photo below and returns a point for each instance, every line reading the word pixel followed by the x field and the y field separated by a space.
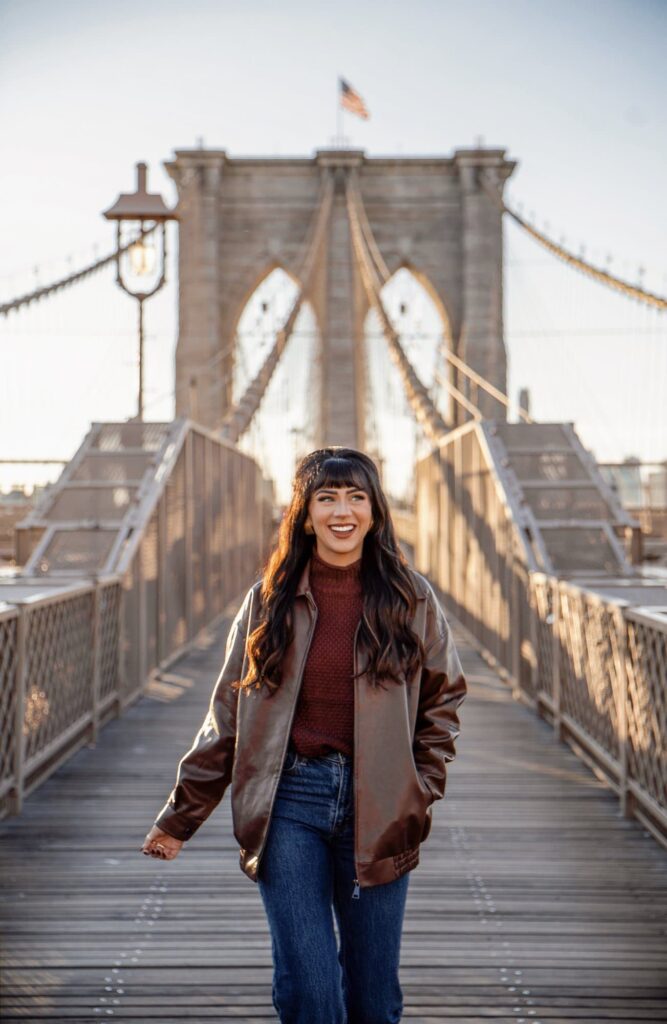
pixel 339 471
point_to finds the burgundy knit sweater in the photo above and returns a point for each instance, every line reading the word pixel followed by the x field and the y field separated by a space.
pixel 324 714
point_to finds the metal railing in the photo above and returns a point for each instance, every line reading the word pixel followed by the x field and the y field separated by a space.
pixel 77 653
pixel 60 679
pixel 590 664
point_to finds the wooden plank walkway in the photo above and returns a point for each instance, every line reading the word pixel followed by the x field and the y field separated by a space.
pixel 534 901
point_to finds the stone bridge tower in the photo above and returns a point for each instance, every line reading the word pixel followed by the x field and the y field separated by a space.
pixel 242 218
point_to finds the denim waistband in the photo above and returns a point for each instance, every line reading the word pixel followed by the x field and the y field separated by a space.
pixel 335 756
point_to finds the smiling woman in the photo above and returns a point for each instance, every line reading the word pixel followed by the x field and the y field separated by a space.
pixel 340 518
pixel 333 717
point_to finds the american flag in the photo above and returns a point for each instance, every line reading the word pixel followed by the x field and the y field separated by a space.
pixel 351 100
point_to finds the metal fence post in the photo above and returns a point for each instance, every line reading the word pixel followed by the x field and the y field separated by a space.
pixel 16 800
pixel 459 526
pixel 187 540
pixel 555 656
pixel 625 796
pixel 515 616
pixel 161 650
pixel 142 624
pixel 95 683
pixel 121 677
pixel 475 550
pixel 534 643
pixel 206 498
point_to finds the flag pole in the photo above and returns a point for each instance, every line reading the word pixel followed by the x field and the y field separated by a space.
pixel 339 115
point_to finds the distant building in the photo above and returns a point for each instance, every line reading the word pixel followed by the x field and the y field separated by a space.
pixel 626 480
pixel 656 487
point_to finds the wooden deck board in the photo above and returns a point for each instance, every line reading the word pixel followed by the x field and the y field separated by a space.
pixel 535 901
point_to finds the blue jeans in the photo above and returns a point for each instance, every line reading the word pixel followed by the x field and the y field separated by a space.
pixel 307 868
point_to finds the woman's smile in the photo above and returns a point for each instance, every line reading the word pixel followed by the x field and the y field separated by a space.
pixel 342 531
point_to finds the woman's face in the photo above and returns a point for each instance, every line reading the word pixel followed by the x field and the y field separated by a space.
pixel 341 518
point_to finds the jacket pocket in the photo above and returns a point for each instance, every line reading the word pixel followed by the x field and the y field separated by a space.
pixel 420 779
pixel 428 821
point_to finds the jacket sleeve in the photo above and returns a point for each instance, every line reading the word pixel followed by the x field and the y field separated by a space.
pixel 206 770
pixel 442 690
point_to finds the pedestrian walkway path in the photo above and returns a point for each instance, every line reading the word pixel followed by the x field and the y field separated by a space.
pixel 534 900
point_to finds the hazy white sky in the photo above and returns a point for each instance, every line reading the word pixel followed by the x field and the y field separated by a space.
pixel 575 91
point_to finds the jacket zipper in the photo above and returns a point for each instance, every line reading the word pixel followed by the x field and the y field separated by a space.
pixel 355 891
pixel 289 727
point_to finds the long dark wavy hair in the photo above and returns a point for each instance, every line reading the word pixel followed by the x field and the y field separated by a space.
pixel 394 650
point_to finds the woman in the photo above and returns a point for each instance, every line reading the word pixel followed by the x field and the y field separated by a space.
pixel 333 718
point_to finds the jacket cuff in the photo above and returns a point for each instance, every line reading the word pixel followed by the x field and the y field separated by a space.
pixel 175 824
pixel 435 794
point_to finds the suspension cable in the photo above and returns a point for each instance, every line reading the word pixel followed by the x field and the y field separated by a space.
pixel 238 418
pixel 603 276
pixel 78 275
pixel 418 397
pixel 367 231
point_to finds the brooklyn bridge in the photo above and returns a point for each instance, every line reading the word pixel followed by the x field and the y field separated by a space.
pixel 542 891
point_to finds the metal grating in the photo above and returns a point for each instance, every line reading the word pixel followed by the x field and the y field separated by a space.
pixel 580 549
pixel 647 708
pixel 531 435
pixel 548 465
pixel 109 619
pixel 58 670
pixel 105 503
pixel 114 437
pixel 8 632
pixel 112 468
pixel 175 568
pixel 590 654
pixel 566 503
pixel 78 551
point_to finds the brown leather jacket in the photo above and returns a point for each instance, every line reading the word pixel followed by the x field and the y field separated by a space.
pixel 403 739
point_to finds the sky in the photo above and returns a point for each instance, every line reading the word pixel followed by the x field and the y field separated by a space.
pixel 574 91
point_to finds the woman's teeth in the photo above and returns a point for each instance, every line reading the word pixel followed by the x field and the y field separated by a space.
pixel 342 531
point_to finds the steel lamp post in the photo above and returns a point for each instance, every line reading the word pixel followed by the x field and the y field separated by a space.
pixel 143 208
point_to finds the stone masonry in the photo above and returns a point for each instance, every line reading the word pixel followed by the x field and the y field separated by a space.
pixel 240 218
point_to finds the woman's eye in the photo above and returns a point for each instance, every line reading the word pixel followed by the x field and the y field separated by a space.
pixel 327 497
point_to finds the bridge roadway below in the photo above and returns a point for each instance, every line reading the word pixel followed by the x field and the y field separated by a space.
pixel 534 901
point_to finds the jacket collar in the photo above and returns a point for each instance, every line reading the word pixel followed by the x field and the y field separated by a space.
pixel 304 582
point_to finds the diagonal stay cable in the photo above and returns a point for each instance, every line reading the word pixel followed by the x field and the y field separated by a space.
pixel 418 397
pixel 477 378
pixel 238 418
pixel 382 275
pixel 459 396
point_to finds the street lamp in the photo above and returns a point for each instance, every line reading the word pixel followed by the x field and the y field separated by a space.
pixel 136 209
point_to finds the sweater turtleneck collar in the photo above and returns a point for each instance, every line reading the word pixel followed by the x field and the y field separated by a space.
pixel 324 574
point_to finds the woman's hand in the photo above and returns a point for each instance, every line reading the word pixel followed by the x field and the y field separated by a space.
pixel 161 845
